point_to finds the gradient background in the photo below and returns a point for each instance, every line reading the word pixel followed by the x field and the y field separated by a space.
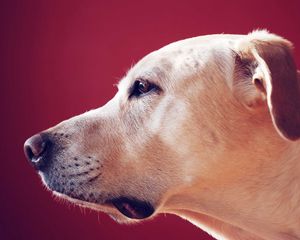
pixel 61 58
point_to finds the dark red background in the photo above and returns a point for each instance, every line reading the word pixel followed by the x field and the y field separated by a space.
pixel 61 58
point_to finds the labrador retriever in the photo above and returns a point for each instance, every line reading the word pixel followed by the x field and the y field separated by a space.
pixel 205 128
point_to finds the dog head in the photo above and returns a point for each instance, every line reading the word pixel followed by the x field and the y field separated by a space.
pixel 183 120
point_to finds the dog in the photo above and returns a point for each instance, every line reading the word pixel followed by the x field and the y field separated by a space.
pixel 204 128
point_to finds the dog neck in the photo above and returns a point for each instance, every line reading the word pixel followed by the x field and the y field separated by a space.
pixel 265 206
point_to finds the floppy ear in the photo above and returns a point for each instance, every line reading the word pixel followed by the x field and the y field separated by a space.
pixel 267 59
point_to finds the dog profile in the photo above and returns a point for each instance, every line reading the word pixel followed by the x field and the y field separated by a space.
pixel 204 128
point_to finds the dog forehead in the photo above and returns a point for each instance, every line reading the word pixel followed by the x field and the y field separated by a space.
pixel 180 59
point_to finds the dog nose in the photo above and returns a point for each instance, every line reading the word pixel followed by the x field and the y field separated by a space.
pixel 35 149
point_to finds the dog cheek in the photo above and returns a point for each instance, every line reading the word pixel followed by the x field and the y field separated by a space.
pixel 168 116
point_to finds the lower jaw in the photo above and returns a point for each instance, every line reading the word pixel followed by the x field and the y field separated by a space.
pixel 85 204
pixel 108 207
pixel 128 208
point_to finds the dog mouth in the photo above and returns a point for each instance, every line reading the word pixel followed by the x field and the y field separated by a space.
pixel 130 207
pixel 133 208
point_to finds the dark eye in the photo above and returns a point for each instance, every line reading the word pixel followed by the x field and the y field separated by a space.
pixel 141 87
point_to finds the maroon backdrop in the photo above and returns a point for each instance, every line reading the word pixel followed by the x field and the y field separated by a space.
pixel 61 58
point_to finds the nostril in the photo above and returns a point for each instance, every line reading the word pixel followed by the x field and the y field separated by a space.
pixel 28 152
pixel 34 146
pixel 34 149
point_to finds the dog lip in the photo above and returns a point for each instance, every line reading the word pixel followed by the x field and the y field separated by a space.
pixel 133 208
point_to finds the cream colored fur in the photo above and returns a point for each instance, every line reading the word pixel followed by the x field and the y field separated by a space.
pixel 213 146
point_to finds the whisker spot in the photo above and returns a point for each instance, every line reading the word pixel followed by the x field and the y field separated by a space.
pixel 93 178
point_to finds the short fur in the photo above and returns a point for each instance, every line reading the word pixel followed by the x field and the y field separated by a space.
pixel 218 145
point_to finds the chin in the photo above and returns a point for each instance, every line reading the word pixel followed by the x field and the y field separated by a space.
pixel 125 210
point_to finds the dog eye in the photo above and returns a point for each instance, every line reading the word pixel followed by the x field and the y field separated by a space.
pixel 142 87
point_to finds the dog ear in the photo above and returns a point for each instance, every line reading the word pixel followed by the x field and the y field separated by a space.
pixel 266 72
